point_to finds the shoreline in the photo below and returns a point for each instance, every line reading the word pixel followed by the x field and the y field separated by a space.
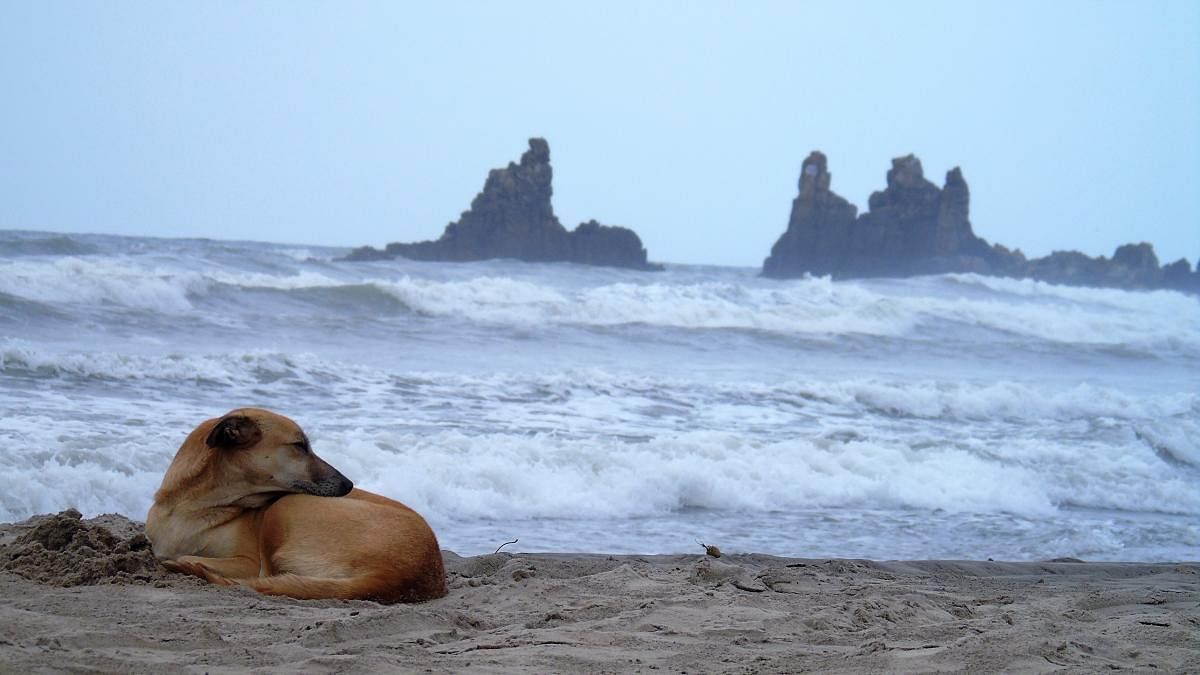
pixel 596 612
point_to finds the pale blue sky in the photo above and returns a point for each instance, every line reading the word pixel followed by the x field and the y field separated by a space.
pixel 1077 124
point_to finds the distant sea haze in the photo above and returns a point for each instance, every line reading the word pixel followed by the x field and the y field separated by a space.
pixel 595 408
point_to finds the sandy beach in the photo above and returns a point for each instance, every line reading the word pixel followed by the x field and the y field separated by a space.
pixel 86 595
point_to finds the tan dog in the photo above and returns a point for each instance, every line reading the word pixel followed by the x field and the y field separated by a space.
pixel 246 501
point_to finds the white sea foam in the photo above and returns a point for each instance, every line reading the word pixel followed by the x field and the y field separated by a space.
pixel 287 282
pixel 1013 401
pixel 300 254
pixel 499 299
pixel 910 412
pixel 20 357
pixel 1117 298
pixel 92 453
pixel 90 281
pixel 455 476
pixel 534 399
pixel 815 307
pixel 812 306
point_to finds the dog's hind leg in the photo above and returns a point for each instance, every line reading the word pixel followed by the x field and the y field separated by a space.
pixel 214 570
pixel 244 572
pixel 309 588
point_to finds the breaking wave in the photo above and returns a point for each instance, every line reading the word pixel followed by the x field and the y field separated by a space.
pixel 563 398
pixel 452 475
pixel 818 307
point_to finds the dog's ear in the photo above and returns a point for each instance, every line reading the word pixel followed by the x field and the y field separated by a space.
pixel 234 431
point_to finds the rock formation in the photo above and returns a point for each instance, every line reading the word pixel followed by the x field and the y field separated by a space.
pixel 513 218
pixel 816 240
pixel 913 227
pixel 1132 266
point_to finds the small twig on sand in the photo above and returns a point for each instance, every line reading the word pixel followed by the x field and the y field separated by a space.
pixel 505 544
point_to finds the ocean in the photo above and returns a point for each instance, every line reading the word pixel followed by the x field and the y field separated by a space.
pixel 591 409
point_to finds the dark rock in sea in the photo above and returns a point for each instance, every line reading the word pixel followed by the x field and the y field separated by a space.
pixel 513 218
pixel 912 227
pixel 366 253
pixel 1132 266
pixel 1067 267
pixel 594 244
pixel 818 239
pixel 1179 275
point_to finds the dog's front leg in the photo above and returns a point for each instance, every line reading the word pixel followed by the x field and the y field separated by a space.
pixel 214 570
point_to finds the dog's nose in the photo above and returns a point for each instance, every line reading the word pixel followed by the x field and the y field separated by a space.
pixel 331 484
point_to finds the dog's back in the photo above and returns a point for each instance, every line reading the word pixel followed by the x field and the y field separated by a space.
pixel 366 545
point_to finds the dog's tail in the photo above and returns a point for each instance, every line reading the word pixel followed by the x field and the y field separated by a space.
pixel 353 588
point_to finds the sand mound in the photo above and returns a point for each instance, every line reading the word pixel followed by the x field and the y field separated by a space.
pixel 65 550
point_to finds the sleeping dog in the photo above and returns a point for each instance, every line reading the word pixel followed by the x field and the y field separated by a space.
pixel 247 502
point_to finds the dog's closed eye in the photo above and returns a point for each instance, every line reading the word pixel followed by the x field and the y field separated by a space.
pixel 302 446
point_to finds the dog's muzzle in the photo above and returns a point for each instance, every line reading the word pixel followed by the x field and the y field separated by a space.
pixel 335 485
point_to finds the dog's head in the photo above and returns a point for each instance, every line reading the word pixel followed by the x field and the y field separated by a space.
pixel 261 454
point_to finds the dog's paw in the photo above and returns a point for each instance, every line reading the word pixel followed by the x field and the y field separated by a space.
pixel 175 566
pixel 196 569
